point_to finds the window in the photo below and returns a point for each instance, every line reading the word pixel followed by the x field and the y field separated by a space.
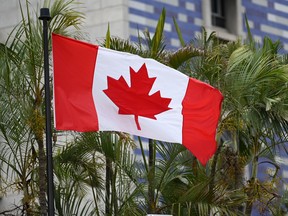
pixel 224 17
pixel 218 13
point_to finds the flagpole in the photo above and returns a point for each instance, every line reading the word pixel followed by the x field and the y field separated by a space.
pixel 45 17
pixel 151 177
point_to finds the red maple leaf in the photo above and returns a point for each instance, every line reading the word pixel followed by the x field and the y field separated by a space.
pixel 135 100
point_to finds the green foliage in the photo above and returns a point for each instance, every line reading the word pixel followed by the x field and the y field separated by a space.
pixel 22 120
pixel 98 173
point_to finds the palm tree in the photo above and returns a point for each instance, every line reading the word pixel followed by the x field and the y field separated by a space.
pixel 253 80
pixel 22 91
pixel 162 175
pixel 84 163
pixel 128 185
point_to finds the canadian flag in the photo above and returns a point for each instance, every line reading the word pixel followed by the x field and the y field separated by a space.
pixel 98 89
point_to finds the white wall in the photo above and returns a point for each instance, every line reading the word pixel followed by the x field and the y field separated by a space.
pixel 98 14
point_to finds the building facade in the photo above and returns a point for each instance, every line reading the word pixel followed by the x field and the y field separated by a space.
pixel 129 17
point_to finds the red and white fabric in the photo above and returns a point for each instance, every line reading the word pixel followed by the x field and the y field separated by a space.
pixel 156 102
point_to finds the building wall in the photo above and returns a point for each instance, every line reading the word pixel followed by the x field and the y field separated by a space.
pixel 9 17
pixel 126 17
pixel 266 18
pixel 98 14
pixel 144 15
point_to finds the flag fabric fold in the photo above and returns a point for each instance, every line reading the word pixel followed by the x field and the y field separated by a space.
pixel 98 89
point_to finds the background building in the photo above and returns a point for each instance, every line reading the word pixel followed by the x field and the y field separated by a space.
pixel 127 17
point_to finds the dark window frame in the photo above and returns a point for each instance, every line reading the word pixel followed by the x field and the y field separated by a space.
pixel 218 13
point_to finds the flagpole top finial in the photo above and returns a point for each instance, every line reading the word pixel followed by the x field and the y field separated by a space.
pixel 44 14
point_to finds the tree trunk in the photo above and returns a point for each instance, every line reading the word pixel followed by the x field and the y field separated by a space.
pixel 108 210
pixel 114 197
pixel 214 164
pixel 38 130
pixel 254 173
pixel 26 198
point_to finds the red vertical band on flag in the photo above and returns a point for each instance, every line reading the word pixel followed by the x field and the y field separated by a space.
pixel 201 111
pixel 74 64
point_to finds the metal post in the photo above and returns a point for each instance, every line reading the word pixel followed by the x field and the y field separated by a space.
pixel 151 178
pixel 45 17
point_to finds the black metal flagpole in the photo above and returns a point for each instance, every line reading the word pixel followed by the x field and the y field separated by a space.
pixel 45 17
